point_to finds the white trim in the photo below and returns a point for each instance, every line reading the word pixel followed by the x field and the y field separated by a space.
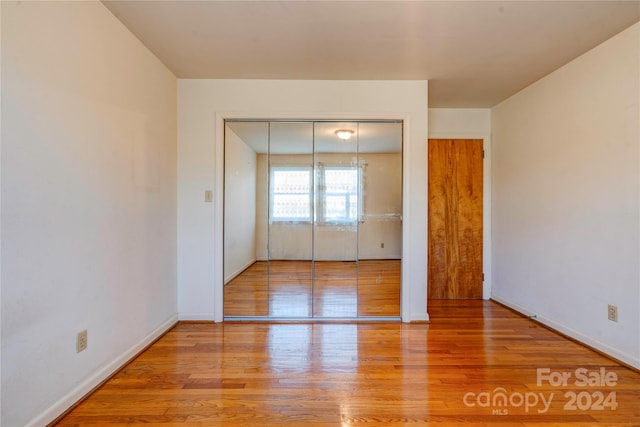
pixel 405 297
pixel 598 345
pixel 218 223
pixel 206 317
pixel 638 236
pixel 486 202
pixel 1 212
pixel 74 396
pixel 218 201
pixel 419 317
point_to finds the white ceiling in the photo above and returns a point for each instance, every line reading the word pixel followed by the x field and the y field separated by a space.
pixel 474 53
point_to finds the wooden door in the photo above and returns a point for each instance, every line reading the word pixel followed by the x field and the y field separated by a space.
pixel 455 219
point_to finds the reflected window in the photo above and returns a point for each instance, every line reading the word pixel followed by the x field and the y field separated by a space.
pixel 340 194
pixel 290 194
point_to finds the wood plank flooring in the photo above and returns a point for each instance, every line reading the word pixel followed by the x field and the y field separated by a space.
pixel 318 289
pixel 451 371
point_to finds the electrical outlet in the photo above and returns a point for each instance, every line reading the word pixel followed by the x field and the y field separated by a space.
pixel 81 341
pixel 612 313
pixel 382 245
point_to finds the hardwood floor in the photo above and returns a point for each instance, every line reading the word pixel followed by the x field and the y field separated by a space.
pixel 338 289
pixel 449 372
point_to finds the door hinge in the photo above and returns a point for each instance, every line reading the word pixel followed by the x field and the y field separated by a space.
pixel 483 154
pixel 483 277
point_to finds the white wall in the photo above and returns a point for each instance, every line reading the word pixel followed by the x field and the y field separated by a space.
pixel 382 207
pixel 461 123
pixel 471 123
pixel 566 203
pixel 199 168
pixel 89 202
pixel 240 206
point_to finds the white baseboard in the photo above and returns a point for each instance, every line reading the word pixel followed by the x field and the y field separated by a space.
pixel 236 273
pixel 417 317
pixel 71 398
pixel 197 316
pixel 584 339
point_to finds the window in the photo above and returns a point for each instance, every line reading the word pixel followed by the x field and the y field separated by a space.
pixel 290 193
pixel 340 194
pixel 338 197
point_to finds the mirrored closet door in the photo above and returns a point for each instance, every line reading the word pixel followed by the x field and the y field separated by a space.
pixel 312 219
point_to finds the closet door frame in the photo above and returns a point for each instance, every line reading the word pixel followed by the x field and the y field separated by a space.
pixel 218 195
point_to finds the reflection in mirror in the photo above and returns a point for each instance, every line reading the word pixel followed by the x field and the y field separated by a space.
pixel 338 195
pixel 245 262
pixel 380 228
pixel 312 219
pixel 290 217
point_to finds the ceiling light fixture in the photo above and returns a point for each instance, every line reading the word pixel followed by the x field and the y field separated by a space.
pixel 344 134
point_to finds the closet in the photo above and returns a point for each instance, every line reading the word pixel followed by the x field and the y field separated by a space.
pixel 312 219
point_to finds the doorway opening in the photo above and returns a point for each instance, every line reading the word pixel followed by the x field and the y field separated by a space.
pixel 312 219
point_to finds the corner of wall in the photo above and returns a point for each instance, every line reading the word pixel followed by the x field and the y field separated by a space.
pixel 566 198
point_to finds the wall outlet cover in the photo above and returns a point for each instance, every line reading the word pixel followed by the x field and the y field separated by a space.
pixel 81 341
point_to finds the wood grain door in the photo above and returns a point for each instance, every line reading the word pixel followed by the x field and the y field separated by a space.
pixel 455 219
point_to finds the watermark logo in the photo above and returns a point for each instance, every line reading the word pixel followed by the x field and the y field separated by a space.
pixel 581 377
pixel 597 395
pixel 500 401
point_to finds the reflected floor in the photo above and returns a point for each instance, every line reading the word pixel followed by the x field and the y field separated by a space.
pixel 339 289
